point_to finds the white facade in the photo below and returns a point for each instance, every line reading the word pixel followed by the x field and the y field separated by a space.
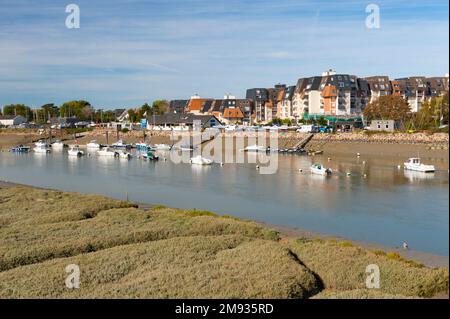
pixel 12 121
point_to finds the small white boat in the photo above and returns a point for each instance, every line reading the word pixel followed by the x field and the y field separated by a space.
pixel 124 155
pixel 199 160
pixel 58 145
pixel 163 147
pixel 75 151
pixel 93 144
pixel 41 143
pixel 41 149
pixel 255 148
pixel 121 144
pixel 414 164
pixel 106 152
pixel 320 170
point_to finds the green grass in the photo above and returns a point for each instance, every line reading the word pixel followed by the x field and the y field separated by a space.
pixel 125 252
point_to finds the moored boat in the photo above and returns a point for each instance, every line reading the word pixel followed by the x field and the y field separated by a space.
pixel 20 149
pixel 75 151
pixel 414 164
pixel 255 148
pixel 106 152
pixel 123 154
pixel 121 144
pixel 93 145
pixel 141 146
pixel 163 147
pixel 320 170
pixel 150 156
pixel 58 145
pixel 41 149
pixel 199 160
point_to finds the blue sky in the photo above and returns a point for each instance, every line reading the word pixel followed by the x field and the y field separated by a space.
pixel 134 51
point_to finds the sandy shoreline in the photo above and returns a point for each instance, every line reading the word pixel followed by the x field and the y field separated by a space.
pixel 427 259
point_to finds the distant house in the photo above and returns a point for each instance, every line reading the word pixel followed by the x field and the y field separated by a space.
pixel 64 122
pixel 233 115
pixel 171 120
pixel 383 125
pixel 12 120
pixel 123 117
pixel 119 112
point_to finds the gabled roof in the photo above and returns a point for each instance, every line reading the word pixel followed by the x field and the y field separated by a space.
pixel 233 113
pixel 196 104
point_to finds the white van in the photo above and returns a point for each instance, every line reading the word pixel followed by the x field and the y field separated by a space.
pixel 306 129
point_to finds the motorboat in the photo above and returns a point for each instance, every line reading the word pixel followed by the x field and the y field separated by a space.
pixel 20 149
pixel 255 148
pixel 320 170
pixel 41 149
pixel 199 160
pixel 58 145
pixel 124 154
pixel 106 152
pixel 141 146
pixel 121 144
pixel 75 151
pixel 150 156
pixel 93 145
pixel 163 147
pixel 41 143
pixel 414 164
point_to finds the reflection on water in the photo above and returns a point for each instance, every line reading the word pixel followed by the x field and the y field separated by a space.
pixel 367 199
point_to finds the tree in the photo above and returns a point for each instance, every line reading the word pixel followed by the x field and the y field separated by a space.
pixel 388 107
pixel 160 107
pixel 18 109
pixel 81 109
pixel 432 114
pixel 145 110
pixel 133 116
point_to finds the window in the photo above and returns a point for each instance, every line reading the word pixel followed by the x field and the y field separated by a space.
pixel 387 125
pixel 379 126
pixel 341 84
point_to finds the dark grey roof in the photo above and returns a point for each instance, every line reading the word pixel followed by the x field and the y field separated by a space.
pixel 178 105
pixel 177 118
pixel 206 106
pixel 7 117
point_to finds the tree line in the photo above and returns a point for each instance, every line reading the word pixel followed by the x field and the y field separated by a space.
pixel 82 110
pixel 434 113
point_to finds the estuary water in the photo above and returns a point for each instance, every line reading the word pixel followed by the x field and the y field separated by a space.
pixel 377 202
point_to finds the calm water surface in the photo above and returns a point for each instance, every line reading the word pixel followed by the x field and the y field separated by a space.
pixel 387 207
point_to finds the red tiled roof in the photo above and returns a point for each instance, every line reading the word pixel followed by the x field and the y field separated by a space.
pixel 233 113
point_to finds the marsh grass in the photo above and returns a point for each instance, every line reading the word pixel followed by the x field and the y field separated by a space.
pixel 342 268
pixel 171 253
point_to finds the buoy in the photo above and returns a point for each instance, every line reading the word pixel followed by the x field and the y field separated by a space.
pixel 364 162
pixel 300 170
pixel 357 154
pixel 329 159
pixel 348 174
pixel 257 166
pixel 399 166
pixel 365 175
pixel 221 163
